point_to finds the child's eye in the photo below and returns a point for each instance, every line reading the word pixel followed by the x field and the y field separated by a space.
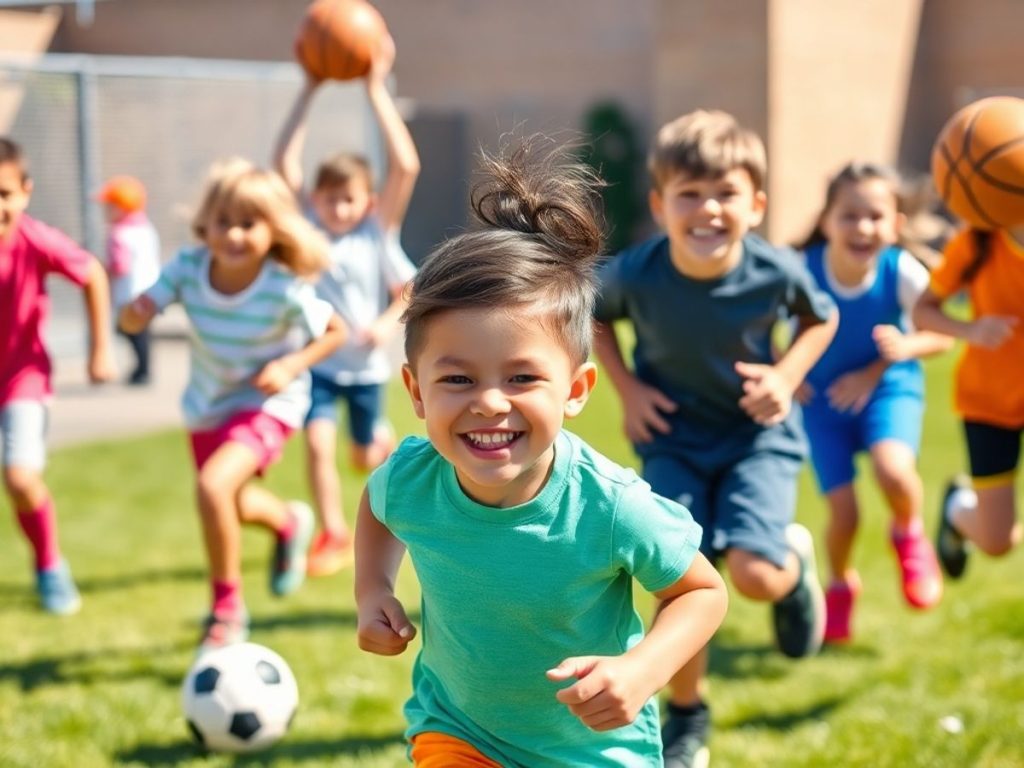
pixel 525 378
pixel 455 378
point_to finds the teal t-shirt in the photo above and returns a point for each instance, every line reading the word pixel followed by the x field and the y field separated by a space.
pixel 509 593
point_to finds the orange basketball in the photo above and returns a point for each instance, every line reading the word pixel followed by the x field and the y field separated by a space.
pixel 978 163
pixel 338 38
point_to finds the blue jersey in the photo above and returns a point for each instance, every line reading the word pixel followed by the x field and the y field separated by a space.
pixel 853 347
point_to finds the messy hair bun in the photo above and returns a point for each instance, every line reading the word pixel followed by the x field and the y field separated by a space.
pixel 535 248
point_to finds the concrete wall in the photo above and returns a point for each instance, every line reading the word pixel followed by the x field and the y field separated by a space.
pixel 839 73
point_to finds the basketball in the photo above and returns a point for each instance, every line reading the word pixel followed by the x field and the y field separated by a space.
pixel 978 163
pixel 338 38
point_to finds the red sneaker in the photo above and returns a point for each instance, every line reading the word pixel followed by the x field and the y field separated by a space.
pixel 329 554
pixel 839 599
pixel 919 568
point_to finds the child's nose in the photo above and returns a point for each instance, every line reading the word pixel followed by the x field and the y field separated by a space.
pixel 490 401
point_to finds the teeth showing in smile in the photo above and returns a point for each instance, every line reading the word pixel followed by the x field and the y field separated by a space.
pixel 704 231
pixel 491 439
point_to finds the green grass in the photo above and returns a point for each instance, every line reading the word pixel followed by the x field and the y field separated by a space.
pixel 102 688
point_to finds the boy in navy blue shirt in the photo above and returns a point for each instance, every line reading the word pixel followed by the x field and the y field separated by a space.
pixel 707 406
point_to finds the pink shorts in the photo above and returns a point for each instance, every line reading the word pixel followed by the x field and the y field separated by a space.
pixel 260 431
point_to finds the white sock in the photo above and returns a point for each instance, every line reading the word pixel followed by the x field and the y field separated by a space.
pixel 963 501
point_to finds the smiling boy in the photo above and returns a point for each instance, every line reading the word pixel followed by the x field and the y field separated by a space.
pixel 707 407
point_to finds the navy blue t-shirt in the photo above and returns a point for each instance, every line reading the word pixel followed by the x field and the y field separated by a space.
pixel 690 333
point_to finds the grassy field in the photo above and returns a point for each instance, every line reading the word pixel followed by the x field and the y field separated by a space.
pixel 102 688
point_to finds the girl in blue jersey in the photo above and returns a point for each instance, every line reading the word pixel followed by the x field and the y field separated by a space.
pixel 525 540
pixel 866 393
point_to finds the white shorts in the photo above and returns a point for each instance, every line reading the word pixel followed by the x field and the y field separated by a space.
pixel 23 425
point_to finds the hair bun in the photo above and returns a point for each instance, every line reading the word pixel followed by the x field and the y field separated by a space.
pixel 538 192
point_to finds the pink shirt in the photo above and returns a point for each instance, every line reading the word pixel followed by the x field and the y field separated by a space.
pixel 27 255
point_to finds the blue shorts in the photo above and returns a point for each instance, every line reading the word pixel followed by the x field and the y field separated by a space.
pixel 364 402
pixel 743 496
pixel 837 437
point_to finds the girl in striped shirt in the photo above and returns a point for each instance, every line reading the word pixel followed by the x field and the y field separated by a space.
pixel 256 328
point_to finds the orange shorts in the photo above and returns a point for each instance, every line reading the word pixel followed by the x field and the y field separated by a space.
pixel 439 750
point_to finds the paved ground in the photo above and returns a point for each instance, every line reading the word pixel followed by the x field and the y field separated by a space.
pixel 83 413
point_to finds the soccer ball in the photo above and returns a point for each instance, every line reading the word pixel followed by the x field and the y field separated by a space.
pixel 239 698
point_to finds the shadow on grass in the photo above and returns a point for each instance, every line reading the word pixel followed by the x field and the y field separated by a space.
pixel 786 721
pixel 131 579
pixel 100 665
pixel 173 754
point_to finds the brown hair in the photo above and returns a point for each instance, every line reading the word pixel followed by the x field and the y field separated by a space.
pixel 536 249
pixel 343 168
pixel 262 193
pixel 706 144
pixel 11 152
pixel 853 173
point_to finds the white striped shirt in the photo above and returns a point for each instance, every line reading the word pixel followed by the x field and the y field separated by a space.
pixel 233 336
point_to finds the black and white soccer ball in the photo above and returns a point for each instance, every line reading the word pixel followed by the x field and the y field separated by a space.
pixel 239 698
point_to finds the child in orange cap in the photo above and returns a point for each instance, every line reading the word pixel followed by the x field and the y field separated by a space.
pixel 133 256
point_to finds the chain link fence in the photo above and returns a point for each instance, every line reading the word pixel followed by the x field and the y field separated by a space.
pixel 81 119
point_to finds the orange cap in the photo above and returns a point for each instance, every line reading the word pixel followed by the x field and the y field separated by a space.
pixel 126 192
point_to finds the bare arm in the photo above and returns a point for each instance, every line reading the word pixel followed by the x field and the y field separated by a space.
pixel 277 374
pixel 988 331
pixel 97 305
pixel 292 139
pixel 383 626
pixel 808 346
pixel 403 159
pixel 387 324
pixel 610 690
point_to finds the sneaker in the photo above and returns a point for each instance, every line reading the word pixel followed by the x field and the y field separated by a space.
pixel 219 631
pixel 329 554
pixel 800 616
pixel 684 736
pixel 839 599
pixel 288 567
pixel 57 591
pixel 919 569
pixel 950 544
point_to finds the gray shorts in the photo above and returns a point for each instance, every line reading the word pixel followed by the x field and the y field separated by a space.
pixel 23 425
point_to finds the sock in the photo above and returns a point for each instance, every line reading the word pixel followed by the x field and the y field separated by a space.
pixel 287 530
pixel 40 527
pixel 227 598
pixel 674 710
pixel 913 527
pixel 963 500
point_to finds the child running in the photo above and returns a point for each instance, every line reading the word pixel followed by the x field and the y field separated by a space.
pixel 525 540
pixel 707 406
pixel 256 329
pixel 989 388
pixel 364 281
pixel 29 251
pixel 866 393
pixel 133 257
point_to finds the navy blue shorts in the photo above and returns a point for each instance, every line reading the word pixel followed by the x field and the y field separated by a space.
pixel 364 403
pixel 742 496
pixel 994 452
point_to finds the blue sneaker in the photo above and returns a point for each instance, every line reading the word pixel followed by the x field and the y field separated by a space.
pixel 57 591
pixel 288 568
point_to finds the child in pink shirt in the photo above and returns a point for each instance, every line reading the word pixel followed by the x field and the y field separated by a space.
pixel 29 251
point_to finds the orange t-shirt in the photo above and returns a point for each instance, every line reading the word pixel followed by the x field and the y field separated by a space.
pixel 989 382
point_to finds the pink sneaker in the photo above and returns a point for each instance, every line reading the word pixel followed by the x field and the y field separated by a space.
pixel 839 599
pixel 919 568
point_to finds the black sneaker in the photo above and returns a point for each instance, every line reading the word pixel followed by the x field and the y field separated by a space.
pixel 950 545
pixel 684 736
pixel 800 616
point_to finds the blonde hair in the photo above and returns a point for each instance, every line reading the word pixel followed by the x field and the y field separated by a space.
pixel 706 144
pixel 236 182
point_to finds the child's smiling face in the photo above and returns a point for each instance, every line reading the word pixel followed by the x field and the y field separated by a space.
pixel 862 220
pixel 15 192
pixel 494 390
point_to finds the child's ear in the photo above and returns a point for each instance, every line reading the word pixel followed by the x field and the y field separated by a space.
pixel 758 207
pixel 413 387
pixel 657 206
pixel 900 223
pixel 580 387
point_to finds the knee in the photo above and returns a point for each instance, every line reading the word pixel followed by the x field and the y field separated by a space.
pixel 897 480
pixel 754 577
pixel 25 487
pixel 212 491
